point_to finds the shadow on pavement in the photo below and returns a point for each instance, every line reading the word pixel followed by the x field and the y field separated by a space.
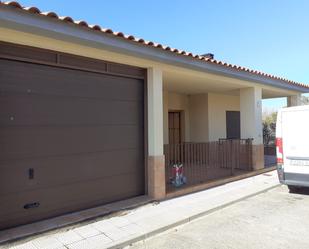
pixel 301 190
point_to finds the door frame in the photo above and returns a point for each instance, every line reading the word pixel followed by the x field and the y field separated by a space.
pixel 181 124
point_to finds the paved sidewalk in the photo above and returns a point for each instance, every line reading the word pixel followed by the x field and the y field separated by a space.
pixel 143 222
pixel 275 219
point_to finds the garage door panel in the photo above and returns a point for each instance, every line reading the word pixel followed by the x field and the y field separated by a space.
pixel 61 195
pixel 42 110
pixel 67 169
pixel 47 80
pixel 82 195
pixel 82 134
pixel 28 142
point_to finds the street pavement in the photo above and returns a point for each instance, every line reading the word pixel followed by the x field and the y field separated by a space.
pixel 274 219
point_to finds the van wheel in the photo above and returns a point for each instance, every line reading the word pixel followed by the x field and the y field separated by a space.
pixel 293 189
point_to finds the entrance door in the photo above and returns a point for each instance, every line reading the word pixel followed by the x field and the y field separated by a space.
pixel 174 127
pixel 232 124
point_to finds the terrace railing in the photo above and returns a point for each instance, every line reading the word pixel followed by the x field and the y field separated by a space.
pixel 203 162
pixel 270 150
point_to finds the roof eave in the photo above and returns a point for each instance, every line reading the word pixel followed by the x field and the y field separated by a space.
pixel 54 28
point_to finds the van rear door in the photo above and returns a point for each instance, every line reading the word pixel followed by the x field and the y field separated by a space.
pixel 295 140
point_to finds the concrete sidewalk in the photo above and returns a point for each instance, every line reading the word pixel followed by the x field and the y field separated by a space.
pixel 143 222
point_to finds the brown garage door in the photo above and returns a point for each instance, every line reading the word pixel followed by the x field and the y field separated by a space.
pixel 69 139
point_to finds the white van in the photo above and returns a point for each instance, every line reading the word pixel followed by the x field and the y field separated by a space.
pixel 292 141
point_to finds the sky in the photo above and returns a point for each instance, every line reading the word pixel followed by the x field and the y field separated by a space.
pixel 267 35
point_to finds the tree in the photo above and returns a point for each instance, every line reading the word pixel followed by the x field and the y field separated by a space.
pixel 269 128
pixel 304 100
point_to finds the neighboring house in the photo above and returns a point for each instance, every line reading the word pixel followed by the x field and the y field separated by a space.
pixel 87 114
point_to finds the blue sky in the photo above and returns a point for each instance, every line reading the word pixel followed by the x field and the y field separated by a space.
pixel 267 35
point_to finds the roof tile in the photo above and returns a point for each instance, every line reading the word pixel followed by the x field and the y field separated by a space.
pixel 66 19
pixel 95 27
pixel 50 14
pixel 82 23
pixel 34 10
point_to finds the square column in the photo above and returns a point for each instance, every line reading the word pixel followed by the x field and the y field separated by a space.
pixel 294 100
pixel 156 164
pixel 251 122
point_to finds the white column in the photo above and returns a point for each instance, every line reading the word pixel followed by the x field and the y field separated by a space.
pixel 251 122
pixel 294 100
pixel 155 111
pixel 156 163
pixel 251 114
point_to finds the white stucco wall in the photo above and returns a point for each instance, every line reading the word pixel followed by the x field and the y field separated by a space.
pixel 198 117
pixel 218 104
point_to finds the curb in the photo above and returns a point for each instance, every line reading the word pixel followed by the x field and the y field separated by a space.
pixel 187 220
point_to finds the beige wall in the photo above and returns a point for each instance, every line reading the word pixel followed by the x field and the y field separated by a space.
pixel 204 114
pixel 199 117
pixel 165 117
pixel 218 104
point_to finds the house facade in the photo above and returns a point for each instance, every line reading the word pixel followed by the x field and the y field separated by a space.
pixel 91 116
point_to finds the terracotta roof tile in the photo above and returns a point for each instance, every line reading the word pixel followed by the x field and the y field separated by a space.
pixel 82 23
pixel 130 37
pixel 14 4
pixel 35 10
pixel 109 31
pixel 66 19
pixel 95 27
pixel 50 14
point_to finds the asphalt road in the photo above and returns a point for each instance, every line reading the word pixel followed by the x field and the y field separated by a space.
pixel 275 219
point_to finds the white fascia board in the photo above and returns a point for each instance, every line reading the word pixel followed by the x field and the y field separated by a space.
pixel 57 29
